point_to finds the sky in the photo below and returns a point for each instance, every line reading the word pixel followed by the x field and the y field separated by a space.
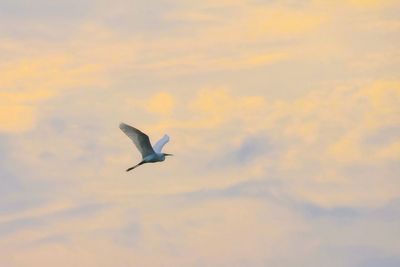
pixel 284 118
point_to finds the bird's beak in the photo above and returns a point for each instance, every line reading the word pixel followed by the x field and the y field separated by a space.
pixel 166 154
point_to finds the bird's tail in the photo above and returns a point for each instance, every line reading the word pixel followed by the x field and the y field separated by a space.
pixel 137 165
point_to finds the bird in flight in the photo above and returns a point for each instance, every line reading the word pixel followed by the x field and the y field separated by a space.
pixel 142 142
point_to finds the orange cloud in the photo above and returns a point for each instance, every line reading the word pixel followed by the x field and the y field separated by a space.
pixel 16 118
pixel 370 3
pixel 218 105
pixel 18 110
pixel 161 103
pixel 281 22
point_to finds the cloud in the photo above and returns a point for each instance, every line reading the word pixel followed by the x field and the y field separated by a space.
pixel 384 261
pixel 129 235
pixel 51 239
pixel 161 103
pixel 17 110
pixel 295 103
pixel 369 3
pixel 47 226
pixel 217 105
pixel 248 151
pixel 314 136
pixel 273 191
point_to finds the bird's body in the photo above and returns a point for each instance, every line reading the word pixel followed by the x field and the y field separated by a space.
pixel 141 140
pixel 156 157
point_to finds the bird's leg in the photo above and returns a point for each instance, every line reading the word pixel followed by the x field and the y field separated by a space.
pixel 137 165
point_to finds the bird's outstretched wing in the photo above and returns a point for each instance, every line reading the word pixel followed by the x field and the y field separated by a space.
pixel 160 143
pixel 141 140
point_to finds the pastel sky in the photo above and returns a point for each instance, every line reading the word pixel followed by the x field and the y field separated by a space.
pixel 284 119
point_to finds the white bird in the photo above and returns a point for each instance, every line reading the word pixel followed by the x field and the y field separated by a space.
pixel 141 140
